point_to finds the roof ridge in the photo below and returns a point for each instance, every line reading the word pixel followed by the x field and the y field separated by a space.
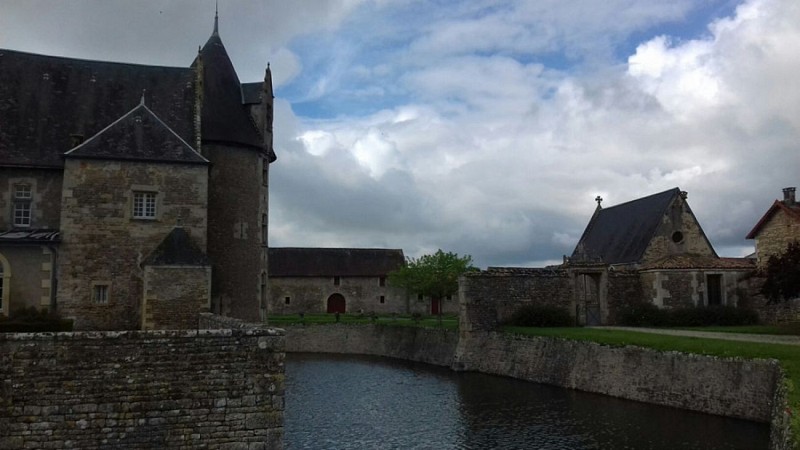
pixel 99 61
pixel 675 189
pixel 120 119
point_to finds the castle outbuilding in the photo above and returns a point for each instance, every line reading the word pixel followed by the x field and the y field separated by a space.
pixel 777 228
pixel 134 196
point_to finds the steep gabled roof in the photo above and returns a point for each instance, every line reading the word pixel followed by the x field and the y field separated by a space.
pixel 177 249
pixel 224 115
pixel 622 233
pixel 328 262
pixel 139 135
pixel 46 100
pixel 793 212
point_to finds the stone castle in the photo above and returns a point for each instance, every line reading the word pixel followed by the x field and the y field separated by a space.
pixel 134 196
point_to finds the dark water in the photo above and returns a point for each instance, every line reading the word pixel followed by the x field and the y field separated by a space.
pixel 353 402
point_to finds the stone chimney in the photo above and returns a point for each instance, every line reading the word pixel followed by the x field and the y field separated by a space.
pixel 788 196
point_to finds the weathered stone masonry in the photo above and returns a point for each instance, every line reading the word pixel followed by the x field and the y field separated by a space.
pixel 745 389
pixel 134 389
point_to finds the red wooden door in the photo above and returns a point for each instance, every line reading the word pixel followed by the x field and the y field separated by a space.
pixel 337 303
pixel 435 305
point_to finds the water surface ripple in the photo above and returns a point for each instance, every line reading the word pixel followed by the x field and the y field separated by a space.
pixel 356 402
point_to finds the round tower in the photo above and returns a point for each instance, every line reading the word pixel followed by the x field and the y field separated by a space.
pixel 235 133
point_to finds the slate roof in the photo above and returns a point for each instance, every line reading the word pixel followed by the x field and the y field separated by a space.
pixel 141 136
pixel 326 262
pixel 24 236
pixel 688 261
pixel 251 93
pixel 793 212
pixel 621 233
pixel 224 116
pixel 46 99
pixel 177 249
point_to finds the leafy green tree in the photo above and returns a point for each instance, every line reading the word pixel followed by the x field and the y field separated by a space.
pixel 433 275
pixel 783 275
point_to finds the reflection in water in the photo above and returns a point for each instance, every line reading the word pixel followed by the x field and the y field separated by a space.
pixel 354 402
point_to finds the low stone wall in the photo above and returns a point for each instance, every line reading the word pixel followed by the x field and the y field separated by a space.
pixel 431 346
pixel 142 389
pixel 745 389
pixel 730 387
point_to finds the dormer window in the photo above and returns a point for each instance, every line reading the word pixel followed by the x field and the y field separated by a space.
pixel 23 196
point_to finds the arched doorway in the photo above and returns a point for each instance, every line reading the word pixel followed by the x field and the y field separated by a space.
pixel 337 303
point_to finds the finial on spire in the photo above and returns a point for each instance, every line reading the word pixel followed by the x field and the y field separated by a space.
pixel 599 200
pixel 141 102
pixel 216 17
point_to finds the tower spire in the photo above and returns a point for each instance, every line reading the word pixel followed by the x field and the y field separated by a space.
pixel 216 17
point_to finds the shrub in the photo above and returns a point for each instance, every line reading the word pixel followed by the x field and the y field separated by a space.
pixel 646 314
pixel 643 315
pixel 541 316
pixel 33 320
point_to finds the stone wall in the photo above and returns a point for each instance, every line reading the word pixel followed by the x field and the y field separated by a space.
pixel 686 288
pixel 213 388
pixel 293 295
pixel 624 289
pixel 769 312
pixel 27 277
pixel 431 346
pixel 45 203
pixel 732 387
pixel 775 235
pixel 174 296
pixel 489 298
pixel 102 244
pixel 237 213
pixel 725 386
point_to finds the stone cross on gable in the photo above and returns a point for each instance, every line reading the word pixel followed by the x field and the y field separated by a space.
pixel 599 200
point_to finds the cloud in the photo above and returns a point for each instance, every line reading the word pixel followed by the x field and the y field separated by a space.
pixel 485 127
pixel 501 156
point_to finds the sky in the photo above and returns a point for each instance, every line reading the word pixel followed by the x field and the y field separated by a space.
pixel 483 127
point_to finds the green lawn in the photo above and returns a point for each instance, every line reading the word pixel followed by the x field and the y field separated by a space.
pixel 788 355
pixel 748 329
pixel 449 322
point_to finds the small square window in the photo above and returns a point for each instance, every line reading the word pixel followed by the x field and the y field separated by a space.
pixel 287 300
pixel 382 281
pixel 100 294
pixel 337 281
pixel 144 205
pixel 419 296
pixel 383 299
pixel 449 297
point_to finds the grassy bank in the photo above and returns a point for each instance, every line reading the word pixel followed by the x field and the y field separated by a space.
pixel 449 322
pixel 788 355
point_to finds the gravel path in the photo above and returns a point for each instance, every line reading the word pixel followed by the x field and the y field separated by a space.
pixel 763 338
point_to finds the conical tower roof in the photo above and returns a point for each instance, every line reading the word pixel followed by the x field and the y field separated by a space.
pixel 224 116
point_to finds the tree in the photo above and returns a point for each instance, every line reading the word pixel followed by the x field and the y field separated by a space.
pixel 433 275
pixel 783 275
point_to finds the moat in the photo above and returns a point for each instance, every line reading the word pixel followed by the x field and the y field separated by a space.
pixel 356 402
